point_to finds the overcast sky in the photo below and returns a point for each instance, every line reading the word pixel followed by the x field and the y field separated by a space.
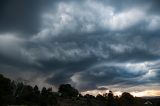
pixel 91 44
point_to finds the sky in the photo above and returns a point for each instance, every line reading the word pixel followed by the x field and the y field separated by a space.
pixel 95 45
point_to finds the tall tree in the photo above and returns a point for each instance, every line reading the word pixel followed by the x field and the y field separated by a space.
pixel 67 90
pixel 110 99
pixel 5 90
pixel 127 99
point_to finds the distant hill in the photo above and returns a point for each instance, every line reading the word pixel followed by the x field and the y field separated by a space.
pixel 151 97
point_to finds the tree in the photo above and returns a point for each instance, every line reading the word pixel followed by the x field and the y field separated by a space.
pixel 48 97
pixel 5 86
pixel 5 90
pixel 127 99
pixel 36 90
pixel 88 96
pixel 36 95
pixel 100 97
pixel 44 91
pixel 110 99
pixel 67 90
pixel 26 95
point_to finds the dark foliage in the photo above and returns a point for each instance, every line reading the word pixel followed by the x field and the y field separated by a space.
pixel 67 90
pixel 15 93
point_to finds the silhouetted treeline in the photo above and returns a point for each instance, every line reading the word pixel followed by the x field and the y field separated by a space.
pixel 15 93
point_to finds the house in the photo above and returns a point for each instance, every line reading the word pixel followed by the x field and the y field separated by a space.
pixel 148 103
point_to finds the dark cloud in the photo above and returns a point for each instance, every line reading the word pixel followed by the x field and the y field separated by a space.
pixel 123 4
pixel 25 15
pixel 108 75
pixel 22 15
pixel 135 55
pixel 72 66
pixel 102 88
pixel 63 71
pixel 85 43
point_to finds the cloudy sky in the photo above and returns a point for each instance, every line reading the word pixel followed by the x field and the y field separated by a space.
pixel 95 45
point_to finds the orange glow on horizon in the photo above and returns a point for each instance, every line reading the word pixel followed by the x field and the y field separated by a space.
pixel 118 93
pixel 146 93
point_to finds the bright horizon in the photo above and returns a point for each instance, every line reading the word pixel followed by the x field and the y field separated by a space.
pixel 146 93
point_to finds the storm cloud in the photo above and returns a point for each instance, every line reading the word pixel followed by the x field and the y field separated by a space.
pixel 87 43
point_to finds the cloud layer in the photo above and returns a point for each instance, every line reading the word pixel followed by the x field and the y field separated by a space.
pixel 87 43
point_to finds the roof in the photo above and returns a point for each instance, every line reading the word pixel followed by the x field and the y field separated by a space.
pixel 147 102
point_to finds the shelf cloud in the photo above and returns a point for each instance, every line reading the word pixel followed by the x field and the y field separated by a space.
pixel 87 43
